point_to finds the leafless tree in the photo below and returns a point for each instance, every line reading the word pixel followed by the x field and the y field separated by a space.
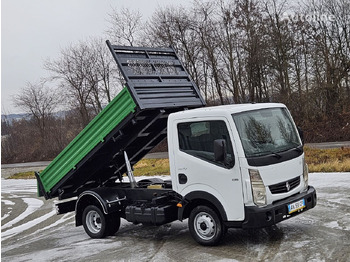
pixel 73 70
pixel 175 26
pixel 85 73
pixel 109 81
pixel 40 102
pixel 125 26
pixel 331 53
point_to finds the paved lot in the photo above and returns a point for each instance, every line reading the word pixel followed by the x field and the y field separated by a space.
pixel 32 232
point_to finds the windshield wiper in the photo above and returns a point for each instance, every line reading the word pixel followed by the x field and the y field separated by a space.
pixel 278 156
pixel 300 150
pixel 297 147
pixel 267 153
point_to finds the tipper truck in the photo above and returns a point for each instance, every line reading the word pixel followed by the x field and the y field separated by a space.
pixel 238 166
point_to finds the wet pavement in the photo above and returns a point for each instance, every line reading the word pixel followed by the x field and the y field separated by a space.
pixel 31 231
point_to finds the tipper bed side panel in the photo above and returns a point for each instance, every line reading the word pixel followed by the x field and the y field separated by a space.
pixel 92 135
pixel 135 121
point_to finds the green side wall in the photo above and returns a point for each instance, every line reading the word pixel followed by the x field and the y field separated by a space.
pixel 93 134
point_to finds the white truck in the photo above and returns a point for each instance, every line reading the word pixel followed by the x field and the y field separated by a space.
pixel 238 166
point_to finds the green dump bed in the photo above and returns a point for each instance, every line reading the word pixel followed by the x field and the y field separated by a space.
pixel 134 121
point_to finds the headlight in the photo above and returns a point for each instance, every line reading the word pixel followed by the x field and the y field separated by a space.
pixel 306 175
pixel 258 187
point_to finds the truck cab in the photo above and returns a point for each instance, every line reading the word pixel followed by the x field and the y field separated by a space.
pixel 243 162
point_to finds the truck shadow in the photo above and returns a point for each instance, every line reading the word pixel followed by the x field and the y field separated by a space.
pixel 179 230
pixel 253 236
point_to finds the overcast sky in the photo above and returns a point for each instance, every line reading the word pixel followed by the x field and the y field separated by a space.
pixel 34 30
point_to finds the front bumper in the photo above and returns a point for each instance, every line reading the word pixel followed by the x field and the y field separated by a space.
pixel 258 217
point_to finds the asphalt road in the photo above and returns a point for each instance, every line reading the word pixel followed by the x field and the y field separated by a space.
pixel 328 145
pixel 32 232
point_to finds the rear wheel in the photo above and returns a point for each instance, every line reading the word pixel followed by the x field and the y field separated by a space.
pixel 94 222
pixel 205 226
pixel 99 225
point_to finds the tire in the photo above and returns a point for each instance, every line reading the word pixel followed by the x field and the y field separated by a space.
pixel 94 222
pixel 205 226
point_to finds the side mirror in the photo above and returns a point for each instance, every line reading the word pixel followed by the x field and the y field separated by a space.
pixel 220 150
pixel 301 134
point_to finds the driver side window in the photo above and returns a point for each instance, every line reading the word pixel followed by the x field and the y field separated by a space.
pixel 197 139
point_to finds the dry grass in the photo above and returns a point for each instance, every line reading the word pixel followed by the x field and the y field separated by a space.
pixel 152 167
pixel 23 175
pixel 328 160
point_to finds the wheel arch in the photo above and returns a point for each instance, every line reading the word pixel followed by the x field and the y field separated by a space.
pixel 197 198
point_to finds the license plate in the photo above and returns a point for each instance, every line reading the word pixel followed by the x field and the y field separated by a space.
pixel 293 207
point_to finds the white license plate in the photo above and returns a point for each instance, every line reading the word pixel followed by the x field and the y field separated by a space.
pixel 293 207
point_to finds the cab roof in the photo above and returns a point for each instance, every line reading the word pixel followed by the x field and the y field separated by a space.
pixel 226 109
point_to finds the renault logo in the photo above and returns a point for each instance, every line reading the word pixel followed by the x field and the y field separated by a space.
pixel 287 186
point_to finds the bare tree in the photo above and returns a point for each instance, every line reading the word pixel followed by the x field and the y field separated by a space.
pixel 229 43
pixel 85 74
pixel 175 26
pixel 280 43
pixel 109 81
pixel 331 54
pixel 72 70
pixel 125 26
pixel 40 102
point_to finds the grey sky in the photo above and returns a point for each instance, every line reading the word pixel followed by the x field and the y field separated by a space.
pixel 33 30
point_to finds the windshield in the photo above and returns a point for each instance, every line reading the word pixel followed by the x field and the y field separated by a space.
pixel 266 131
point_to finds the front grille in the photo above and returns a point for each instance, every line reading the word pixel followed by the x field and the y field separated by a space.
pixel 285 187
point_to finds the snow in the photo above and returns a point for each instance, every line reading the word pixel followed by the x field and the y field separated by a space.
pixel 18 229
pixel 33 204
pixel 62 220
pixel 11 186
pixel 325 180
pixel 7 202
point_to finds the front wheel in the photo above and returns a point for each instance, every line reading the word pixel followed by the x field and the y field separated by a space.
pixel 205 226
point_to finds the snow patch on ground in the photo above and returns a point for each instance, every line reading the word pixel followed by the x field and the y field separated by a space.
pixel 16 230
pixel 7 202
pixel 62 220
pixel 326 180
pixel 333 224
pixel 33 205
pixel 300 244
pixel 10 186
pixel 336 225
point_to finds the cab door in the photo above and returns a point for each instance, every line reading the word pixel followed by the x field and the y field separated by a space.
pixel 196 169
